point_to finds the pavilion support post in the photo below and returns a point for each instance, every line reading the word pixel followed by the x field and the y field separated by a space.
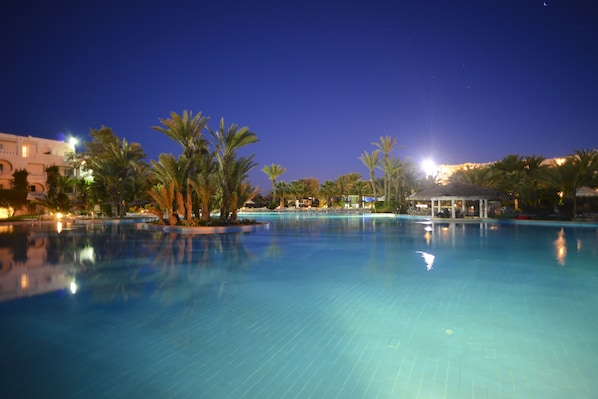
pixel 452 208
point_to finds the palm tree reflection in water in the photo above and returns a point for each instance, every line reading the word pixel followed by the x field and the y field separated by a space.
pixel 187 264
pixel 117 263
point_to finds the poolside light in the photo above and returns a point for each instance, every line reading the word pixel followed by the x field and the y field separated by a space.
pixel 73 287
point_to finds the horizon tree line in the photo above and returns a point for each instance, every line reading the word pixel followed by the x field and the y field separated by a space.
pixel 209 176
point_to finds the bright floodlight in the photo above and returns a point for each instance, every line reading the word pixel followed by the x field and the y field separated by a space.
pixel 73 141
pixel 429 167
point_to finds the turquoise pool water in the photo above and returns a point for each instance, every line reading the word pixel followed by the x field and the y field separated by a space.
pixel 311 307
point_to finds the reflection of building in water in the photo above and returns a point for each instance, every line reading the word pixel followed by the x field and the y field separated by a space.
pixel 560 246
pixel 24 270
pixel 23 281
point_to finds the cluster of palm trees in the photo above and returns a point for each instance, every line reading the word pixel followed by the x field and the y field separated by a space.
pixel 399 179
pixel 208 175
pixel 536 184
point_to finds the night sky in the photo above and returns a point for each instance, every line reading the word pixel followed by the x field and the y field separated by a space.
pixel 317 81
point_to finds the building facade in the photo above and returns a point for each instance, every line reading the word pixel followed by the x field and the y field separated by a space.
pixel 34 155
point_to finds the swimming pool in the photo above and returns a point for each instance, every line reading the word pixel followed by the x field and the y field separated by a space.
pixel 311 307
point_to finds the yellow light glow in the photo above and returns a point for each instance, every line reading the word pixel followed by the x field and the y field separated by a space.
pixel 560 246
pixel 24 281
pixel 59 227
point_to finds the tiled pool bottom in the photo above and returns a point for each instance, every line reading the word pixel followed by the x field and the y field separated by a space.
pixel 326 311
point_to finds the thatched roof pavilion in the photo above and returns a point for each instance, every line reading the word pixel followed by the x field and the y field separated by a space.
pixel 457 192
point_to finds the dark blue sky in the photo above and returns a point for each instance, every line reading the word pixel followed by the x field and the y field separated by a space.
pixel 318 81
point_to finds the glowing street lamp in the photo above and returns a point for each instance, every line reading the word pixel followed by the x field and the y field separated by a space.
pixel 73 141
pixel 429 167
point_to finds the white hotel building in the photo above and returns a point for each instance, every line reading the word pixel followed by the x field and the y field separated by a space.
pixel 34 155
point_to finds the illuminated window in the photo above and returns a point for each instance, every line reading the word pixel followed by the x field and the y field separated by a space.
pixel 25 151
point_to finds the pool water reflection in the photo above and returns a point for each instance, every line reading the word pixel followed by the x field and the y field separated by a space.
pixel 345 307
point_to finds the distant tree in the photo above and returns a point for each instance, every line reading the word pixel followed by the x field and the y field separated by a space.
pixel 482 176
pixel 371 161
pixel 311 186
pixel 273 171
pixel 387 145
pixel 577 170
pixel 328 191
pixel 360 188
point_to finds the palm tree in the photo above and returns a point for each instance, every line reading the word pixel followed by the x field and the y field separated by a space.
pixel 186 129
pixel 163 196
pixel 371 161
pixel 205 185
pixel 360 188
pixel 483 176
pixel 576 171
pixel 386 145
pixel 168 169
pixel 246 192
pixel 273 171
pixel 328 189
pixel 588 161
pixel 125 159
pixel 401 171
pixel 227 141
pixel 116 165
pixel 510 172
pixel 240 190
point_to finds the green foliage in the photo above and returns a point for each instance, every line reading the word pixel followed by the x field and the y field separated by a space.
pixel 118 170
pixel 207 174
pixel 57 198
